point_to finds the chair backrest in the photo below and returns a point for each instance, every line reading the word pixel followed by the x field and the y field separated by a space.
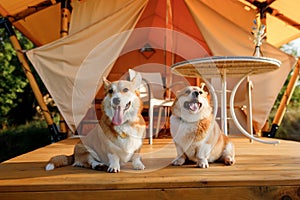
pixel 152 84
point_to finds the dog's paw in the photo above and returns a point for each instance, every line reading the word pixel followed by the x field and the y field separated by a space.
pixel 138 165
pixel 178 161
pixel 229 160
pixel 101 167
pixel 113 168
pixel 203 163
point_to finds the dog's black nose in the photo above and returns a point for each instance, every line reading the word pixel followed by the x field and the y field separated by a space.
pixel 195 94
pixel 116 100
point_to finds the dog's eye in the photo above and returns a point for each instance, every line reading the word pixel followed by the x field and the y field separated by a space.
pixel 125 90
pixel 200 92
pixel 188 92
pixel 110 91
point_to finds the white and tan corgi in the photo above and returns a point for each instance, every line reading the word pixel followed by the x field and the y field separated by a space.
pixel 195 133
pixel 118 139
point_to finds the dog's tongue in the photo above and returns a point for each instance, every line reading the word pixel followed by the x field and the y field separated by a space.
pixel 118 116
pixel 193 106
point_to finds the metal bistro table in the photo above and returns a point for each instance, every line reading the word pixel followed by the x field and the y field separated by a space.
pixel 223 66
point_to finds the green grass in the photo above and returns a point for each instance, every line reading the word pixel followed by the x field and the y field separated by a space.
pixel 22 139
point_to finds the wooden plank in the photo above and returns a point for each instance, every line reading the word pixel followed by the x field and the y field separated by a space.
pixel 257 193
pixel 272 169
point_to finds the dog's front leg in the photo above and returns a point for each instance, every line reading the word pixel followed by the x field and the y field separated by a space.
pixel 202 155
pixel 180 157
pixel 136 162
pixel 114 163
pixel 228 154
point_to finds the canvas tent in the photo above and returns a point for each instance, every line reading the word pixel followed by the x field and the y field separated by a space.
pixel 105 38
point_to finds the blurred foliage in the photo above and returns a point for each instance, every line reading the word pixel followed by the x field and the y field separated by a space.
pixel 290 125
pixel 17 102
pixel 22 139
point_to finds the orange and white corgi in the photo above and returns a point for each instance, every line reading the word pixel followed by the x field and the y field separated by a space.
pixel 118 139
pixel 195 133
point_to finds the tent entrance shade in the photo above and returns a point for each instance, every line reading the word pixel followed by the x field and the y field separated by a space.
pixel 210 24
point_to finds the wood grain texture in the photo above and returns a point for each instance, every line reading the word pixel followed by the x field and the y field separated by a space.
pixel 261 172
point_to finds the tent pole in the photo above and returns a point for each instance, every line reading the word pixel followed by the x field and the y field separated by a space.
pixel 169 56
pixel 64 30
pixel 65 17
pixel 284 102
pixel 5 23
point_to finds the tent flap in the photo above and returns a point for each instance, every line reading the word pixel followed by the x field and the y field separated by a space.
pixel 59 63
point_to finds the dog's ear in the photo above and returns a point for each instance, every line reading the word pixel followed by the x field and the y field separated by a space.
pixel 137 80
pixel 204 93
pixel 132 74
pixel 106 83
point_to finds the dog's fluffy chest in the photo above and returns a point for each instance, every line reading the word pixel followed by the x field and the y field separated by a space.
pixel 181 130
pixel 184 135
pixel 128 138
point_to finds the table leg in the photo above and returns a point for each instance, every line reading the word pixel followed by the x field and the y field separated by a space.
pixel 249 107
pixel 224 103
pixel 236 122
pixel 151 108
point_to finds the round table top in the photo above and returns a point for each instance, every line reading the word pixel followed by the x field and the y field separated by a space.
pixel 232 65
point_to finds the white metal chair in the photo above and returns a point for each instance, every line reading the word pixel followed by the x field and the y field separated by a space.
pixel 152 92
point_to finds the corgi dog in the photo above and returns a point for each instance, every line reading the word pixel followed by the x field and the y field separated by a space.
pixel 119 137
pixel 196 134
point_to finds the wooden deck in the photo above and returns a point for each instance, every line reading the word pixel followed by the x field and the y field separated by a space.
pixel 261 172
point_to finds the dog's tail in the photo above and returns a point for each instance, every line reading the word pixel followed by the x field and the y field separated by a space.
pixel 59 161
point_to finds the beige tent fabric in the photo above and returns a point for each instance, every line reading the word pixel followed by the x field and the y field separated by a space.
pixel 86 13
pixel 281 33
pixel 34 26
pixel 224 38
pixel 72 68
